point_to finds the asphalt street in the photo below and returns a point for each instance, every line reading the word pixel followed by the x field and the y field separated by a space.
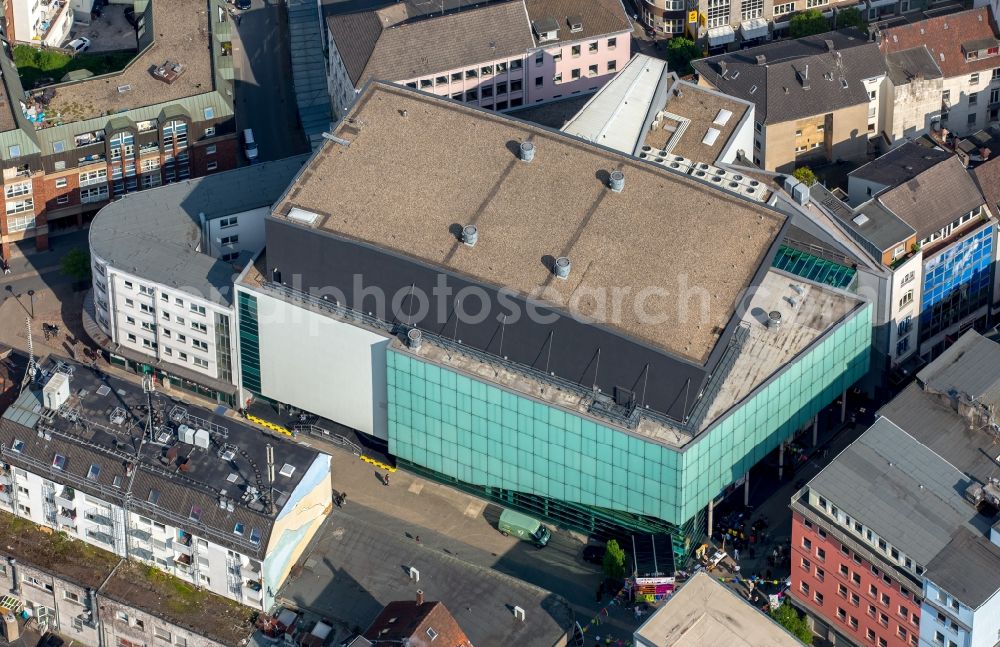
pixel 265 99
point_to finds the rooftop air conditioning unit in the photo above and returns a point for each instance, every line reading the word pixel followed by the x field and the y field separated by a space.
pixel 56 391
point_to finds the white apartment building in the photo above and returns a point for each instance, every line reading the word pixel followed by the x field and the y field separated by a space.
pixel 192 496
pixel 966 51
pixel 163 262
pixel 43 22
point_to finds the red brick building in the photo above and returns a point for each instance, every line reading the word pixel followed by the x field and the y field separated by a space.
pixel 168 116
pixel 836 581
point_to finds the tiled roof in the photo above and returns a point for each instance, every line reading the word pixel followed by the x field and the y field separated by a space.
pixel 374 48
pixel 944 36
pixel 834 63
pixel 598 17
pixel 987 176
pixel 406 622
pixel 934 198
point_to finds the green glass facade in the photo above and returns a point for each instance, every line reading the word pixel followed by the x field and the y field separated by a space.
pixel 474 432
pixel 249 342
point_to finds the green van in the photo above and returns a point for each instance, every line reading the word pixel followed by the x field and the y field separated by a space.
pixel 523 527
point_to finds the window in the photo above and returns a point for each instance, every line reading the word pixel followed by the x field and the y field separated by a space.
pixel 612 43
pixel 200 362
pixel 200 327
pixel 883 619
pixel 14 151
pixel 71 596
pixel 885 599
pixel 806 564
pixel 820 574
pixel 592 70
pixel 804 587
pixel 855 600
pixel 575 51
pixel 211 166
pixel 821 554
pixel 871 610
pixel 806 543
pixel 854 623
pixel 841 615
pixel 575 73
pixel 557 78
pixel 539 58
pixel 973 80
pixel 818 597
pixel 870 635
pixel 199 344
pixel 905 301
pixel 197 309
pixel 210 131
pixel 972 119
pixel 782 9
pixel 539 81
pixel 939 637
pixel 842 590
pixel 20 206
pixel 19 189
pixel 160 632
pixel 882 643
pixel 873 590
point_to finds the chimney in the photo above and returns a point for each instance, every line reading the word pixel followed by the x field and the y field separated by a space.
pixel 805 78
pixel 470 234
pixel 526 151
pixel 617 181
pixel 761 59
pixel 723 68
pixel 829 45
pixel 420 597
pixel 15 576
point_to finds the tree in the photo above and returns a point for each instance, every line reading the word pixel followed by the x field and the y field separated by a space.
pixel 614 561
pixel 805 175
pixel 789 618
pixel 76 265
pixel 850 17
pixel 680 53
pixel 808 23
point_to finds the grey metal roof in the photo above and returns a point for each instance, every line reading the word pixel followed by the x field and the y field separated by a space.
pixel 309 68
pixel 777 87
pixel 911 64
pixel 880 227
pixel 901 164
pixel 968 568
pixel 154 233
pixel 902 490
pixel 970 366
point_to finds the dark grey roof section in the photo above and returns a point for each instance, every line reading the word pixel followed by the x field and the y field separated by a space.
pixel 356 553
pixel 912 64
pixel 977 44
pixel 902 490
pixel 189 497
pixel 156 233
pixel 558 344
pixel 933 421
pixel 901 164
pixel 933 199
pixel 878 230
pixel 968 568
pixel 309 68
pixel 970 366
pixel 355 35
pixel 798 78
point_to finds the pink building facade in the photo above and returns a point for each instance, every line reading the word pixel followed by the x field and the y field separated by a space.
pixel 499 55
pixel 541 75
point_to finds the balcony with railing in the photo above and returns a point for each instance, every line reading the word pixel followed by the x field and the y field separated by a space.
pixel 182 559
pixel 66 517
pixel 100 517
pixel 66 498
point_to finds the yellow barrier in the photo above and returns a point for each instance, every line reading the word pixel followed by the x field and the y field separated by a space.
pixel 269 425
pixel 379 464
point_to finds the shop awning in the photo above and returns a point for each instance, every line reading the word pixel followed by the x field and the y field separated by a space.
pixel 721 35
pixel 754 28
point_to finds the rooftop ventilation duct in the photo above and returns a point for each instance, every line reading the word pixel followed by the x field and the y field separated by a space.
pixel 562 267
pixel 774 320
pixel 414 338
pixel 470 234
pixel 526 151
pixel 617 181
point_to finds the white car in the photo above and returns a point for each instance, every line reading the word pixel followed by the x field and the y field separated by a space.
pixel 79 44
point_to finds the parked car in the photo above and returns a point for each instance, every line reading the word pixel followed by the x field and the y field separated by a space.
pixel 249 145
pixel 79 44
pixel 242 5
pixel 51 640
pixel 523 527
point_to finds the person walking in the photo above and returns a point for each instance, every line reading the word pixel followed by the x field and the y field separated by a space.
pixel 385 480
